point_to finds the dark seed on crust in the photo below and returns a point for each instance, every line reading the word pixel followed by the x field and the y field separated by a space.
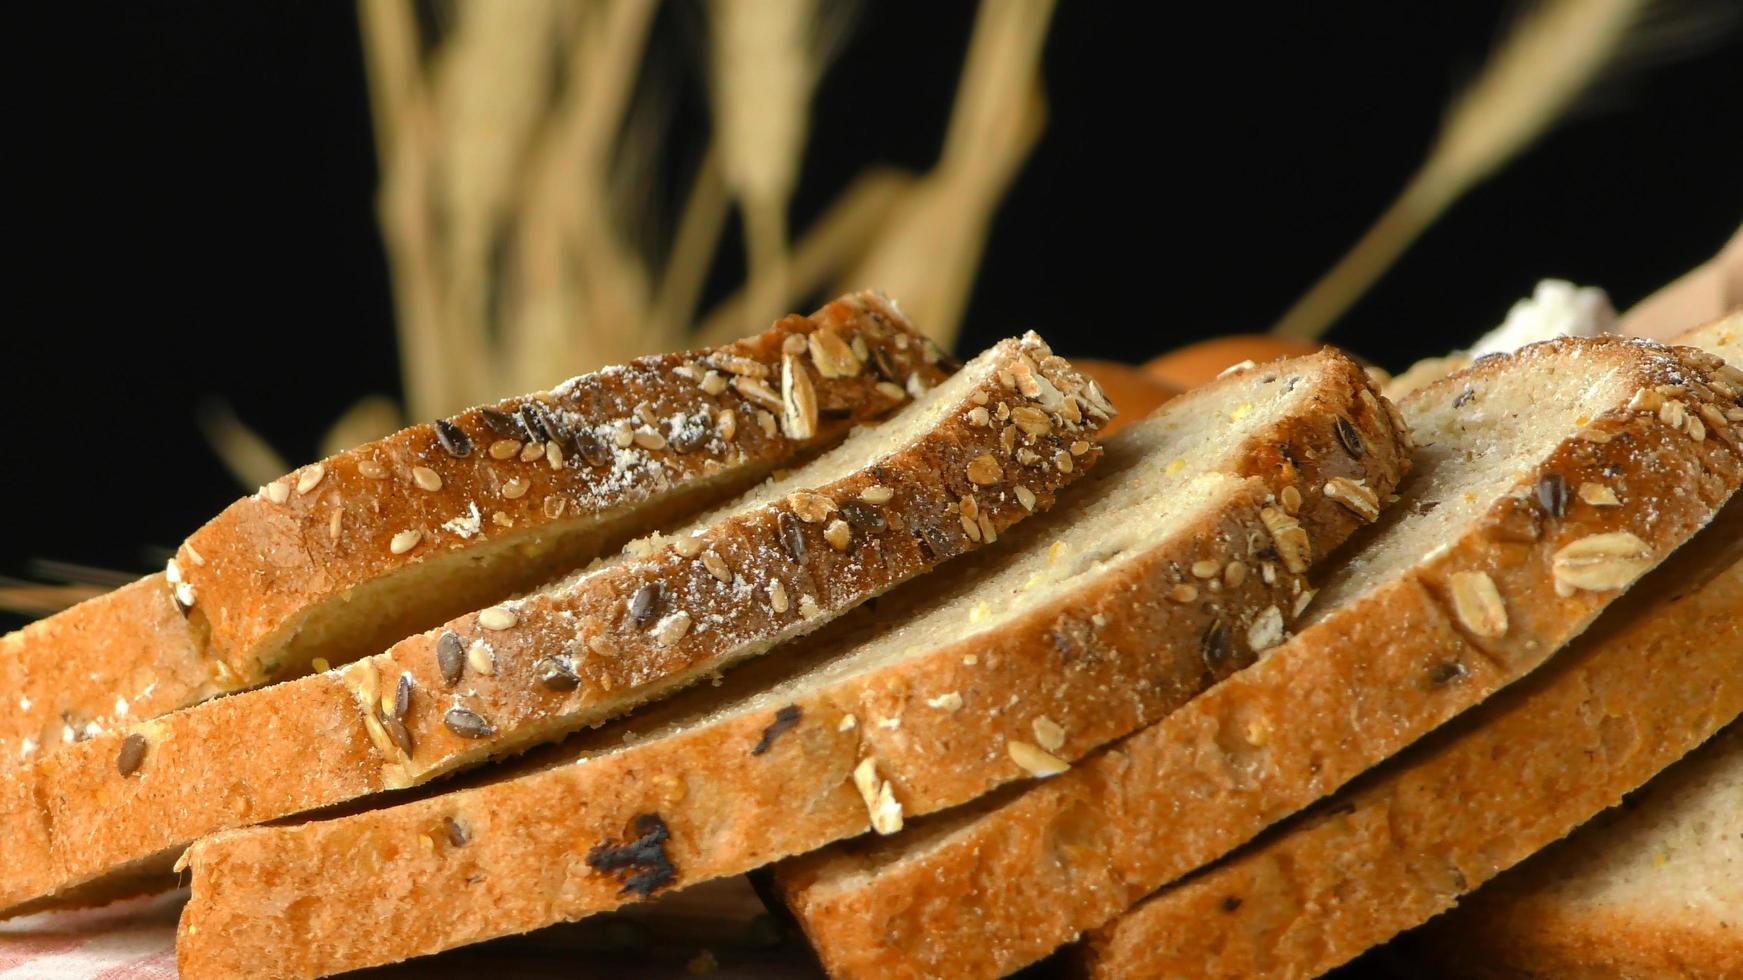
pixel 1445 673
pixel 1464 397
pixel 1214 644
pixel 690 438
pixel 785 719
pixel 467 724
pixel 458 835
pixel 132 755
pixel 590 449
pixel 397 731
pixel 863 516
pixel 644 604
pixel 1552 495
pixel 451 657
pixel 534 418
pixel 886 365
pixel 402 697
pixel 455 442
pixel 1231 903
pixel 555 674
pixel 502 423
pixel 1351 439
pixel 936 542
pixel 792 536
pixel 644 858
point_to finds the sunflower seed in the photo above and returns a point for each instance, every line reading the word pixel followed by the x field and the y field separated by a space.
pixel 557 674
pixel 502 423
pixel 792 536
pixel 1036 761
pixel 455 442
pixel 834 357
pixel 863 516
pixel 402 696
pixel 467 724
pixel 458 835
pixel 450 657
pixel 396 730
pixel 1349 437
pixel 498 618
pixel 798 400
pixel 591 450
pixel 1552 495
pixel 644 603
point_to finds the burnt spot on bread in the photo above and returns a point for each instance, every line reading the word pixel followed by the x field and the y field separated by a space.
pixel 640 863
pixel 784 721
pixel 1446 672
pixel 1231 903
pixel 1464 398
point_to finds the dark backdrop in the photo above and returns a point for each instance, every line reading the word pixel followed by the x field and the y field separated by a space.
pixel 193 214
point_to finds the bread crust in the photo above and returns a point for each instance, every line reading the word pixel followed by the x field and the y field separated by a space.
pixel 1353 688
pixel 936 726
pixel 1654 679
pixel 401 718
pixel 268 576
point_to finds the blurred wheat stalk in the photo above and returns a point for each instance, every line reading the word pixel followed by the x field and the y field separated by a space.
pixel 515 160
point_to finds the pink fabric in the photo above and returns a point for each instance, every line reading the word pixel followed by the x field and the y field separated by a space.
pixel 130 940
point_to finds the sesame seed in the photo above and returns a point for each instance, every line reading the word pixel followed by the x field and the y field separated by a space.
pixel 505 448
pixel 672 628
pixel 1184 592
pixel 426 478
pixel 1062 461
pixel 876 494
pixel 1025 496
pixel 716 566
pixel 891 390
pixel 554 455
pixel 481 658
pixel 405 541
pixel 498 618
pixel 726 425
pixel 532 451
pixel 515 488
pixel 1079 447
pixel 310 478
pixel 335 523
pixel 278 493
pixel 1205 568
pixel 777 596
pixel 1290 497
pixel 650 440
pixel 371 469
pixel 1048 733
pixel 838 534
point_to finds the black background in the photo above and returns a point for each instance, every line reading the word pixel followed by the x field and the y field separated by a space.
pixel 194 212
pixel 190 208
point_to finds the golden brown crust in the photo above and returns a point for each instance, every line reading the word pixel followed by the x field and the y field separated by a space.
pixel 329 738
pixel 1084 666
pixel 1364 681
pixel 266 576
pixel 1655 678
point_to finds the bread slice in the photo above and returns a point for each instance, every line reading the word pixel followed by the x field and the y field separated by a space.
pixel 1655 677
pixel 1154 577
pixel 939 479
pixel 1498 553
pixel 1655 889
pixel 343 557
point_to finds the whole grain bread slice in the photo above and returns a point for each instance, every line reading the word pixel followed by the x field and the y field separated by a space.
pixel 1156 575
pixel 1544 483
pixel 345 556
pixel 1655 889
pixel 1653 679
pixel 941 478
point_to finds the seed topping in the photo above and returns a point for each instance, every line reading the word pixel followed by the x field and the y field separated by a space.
pixel 645 603
pixel 426 478
pixel 557 674
pixel 784 721
pixel 1037 761
pixel 467 724
pixel 1552 495
pixel 1600 562
pixel 131 756
pixel 454 440
pixel 1478 606
pixel 405 541
pixel 1350 438
pixel 498 618
pixel 450 657
pixel 984 470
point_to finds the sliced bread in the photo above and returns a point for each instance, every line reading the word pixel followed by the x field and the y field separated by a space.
pixel 1176 562
pixel 1544 483
pixel 1655 889
pixel 1655 677
pixel 343 557
pixel 943 477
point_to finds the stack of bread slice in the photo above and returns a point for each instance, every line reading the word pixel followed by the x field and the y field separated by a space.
pixel 1546 483
pixel 981 681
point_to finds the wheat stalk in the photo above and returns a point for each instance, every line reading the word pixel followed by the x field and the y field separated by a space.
pixel 1551 55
